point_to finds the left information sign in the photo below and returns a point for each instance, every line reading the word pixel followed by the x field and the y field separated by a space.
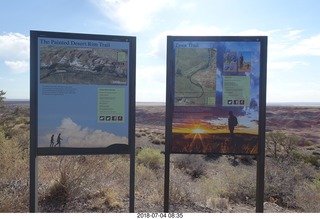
pixel 83 89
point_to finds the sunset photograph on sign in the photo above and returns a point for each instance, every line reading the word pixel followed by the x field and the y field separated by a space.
pixel 211 133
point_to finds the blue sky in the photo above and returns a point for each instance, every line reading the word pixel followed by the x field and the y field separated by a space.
pixel 292 28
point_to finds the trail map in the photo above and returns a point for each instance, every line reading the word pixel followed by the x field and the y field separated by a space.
pixel 195 76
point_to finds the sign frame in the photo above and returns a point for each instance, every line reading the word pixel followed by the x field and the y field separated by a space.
pixel 170 105
pixel 36 151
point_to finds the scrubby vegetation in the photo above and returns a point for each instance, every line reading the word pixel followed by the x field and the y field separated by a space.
pixel 198 183
pixel 14 160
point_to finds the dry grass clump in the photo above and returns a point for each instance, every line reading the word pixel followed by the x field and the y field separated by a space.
pixel 282 179
pixel 99 180
pixel 71 178
pixel 14 169
pixel 105 199
pixel 181 189
pixel 226 184
pixel 308 196
pixel 149 185
pixel 193 165
pixel 150 157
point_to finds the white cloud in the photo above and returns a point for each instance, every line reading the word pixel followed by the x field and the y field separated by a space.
pixel 133 15
pixel 293 34
pixel 290 43
pixel 18 66
pixel 159 42
pixel 14 46
pixel 309 46
pixel 293 92
pixel 285 65
pixel 151 84
pixel 74 135
pixel 152 74
pixel 14 52
pixel 254 32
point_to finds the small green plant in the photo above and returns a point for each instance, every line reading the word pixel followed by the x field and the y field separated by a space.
pixel 2 97
pixel 311 159
pixel 150 157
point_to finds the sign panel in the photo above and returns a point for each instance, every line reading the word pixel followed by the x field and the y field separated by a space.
pixel 214 94
pixel 84 85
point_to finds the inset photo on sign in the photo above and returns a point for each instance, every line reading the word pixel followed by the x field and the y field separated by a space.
pixel 244 61
pixel 83 65
pixel 219 130
pixel 230 61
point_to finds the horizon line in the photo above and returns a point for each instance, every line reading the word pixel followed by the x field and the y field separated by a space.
pixel 163 102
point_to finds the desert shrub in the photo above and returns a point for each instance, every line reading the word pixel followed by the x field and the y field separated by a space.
pixel 2 97
pixel 308 196
pixel 149 185
pixel 14 179
pixel 150 157
pixel 240 185
pixel 311 159
pixel 282 179
pixel 212 191
pixel 279 145
pixel 156 140
pixel 180 190
pixel 218 204
pixel 66 180
pixel 73 177
pixel 228 184
pixel 193 165
pixel 13 159
pixel 106 198
pixel 59 191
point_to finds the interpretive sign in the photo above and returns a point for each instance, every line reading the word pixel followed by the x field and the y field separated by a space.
pixel 83 85
pixel 215 94
pixel 216 100
pixel 82 98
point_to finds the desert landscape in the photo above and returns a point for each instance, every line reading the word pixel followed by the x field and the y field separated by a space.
pixel 198 183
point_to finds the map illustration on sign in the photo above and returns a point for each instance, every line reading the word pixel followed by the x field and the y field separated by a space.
pixel 195 76
pixel 76 65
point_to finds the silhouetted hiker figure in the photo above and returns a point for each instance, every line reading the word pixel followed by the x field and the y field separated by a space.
pixel 241 61
pixel 232 122
pixel 52 141
pixel 58 140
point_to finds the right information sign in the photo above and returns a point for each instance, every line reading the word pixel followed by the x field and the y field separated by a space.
pixel 216 94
